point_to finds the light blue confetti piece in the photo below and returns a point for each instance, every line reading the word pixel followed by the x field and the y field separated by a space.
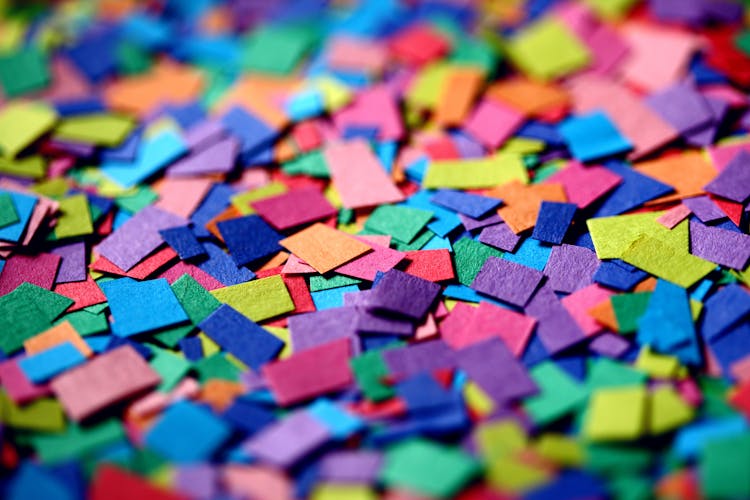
pixel 340 423
pixel 153 155
pixel 334 297
pixel 44 365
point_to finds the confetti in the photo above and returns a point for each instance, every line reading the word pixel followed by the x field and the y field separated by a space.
pixel 361 250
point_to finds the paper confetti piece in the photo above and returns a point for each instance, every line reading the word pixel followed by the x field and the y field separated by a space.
pixel 324 248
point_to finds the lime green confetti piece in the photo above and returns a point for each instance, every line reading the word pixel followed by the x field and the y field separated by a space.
pixel 477 399
pixel 427 87
pixel 242 201
pixel 469 256
pixel 208 346
pixel 723 467
pixel 23 123
pixel 318 282
pixel 612 236
pixel 75 217
pixel 476 173
pixel 170 367
pixel 427 468
pixel 548 50
pixel 335 95
pixel 369 371
pixel 522 146
pixel 197 302
pixel 23 71
pixel 52 188
pixel 276 49
pixel 216 366
pixel 106 130
pixel 509 474
pixel 8 214
pixel 667 411
pixel 32 167
pixel 258 299
pixel 342 492
pixel 657 365
pixel 616 414
pixel 667 262
pixel 41 415
pixel 77 441
pixel 498 439
pixel 611 9
pixel 628 308
pixel 561 450
pixel 558 394
pixel 403 223
pixel 283 335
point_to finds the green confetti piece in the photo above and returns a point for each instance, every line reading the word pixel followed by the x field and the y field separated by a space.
pixel 8 214
pixel 106 130
pixel 428 468
pixel 23 71
pixel 276 49
pixel 403 223
pixel 606 373
pixel 476 173
pixel 723 467
pixel 26 311
pixel 421 240
pixel 611 459
pixel 172 336
pixel 170 367
pixel 318 282
pixel 469 256
pixel 23 123
pixel 75 217
pixel 86 322
pixel 547 50
pixel 558 395
pixel 628 308
pixel 197 302
pixel 216 366
pixel 142 197
pixel 469 52
pixel 131 60
pixel 77 441
pixel 312 164
pixel 369 371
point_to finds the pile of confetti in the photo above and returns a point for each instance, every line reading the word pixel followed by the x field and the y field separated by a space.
pixel 342 250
